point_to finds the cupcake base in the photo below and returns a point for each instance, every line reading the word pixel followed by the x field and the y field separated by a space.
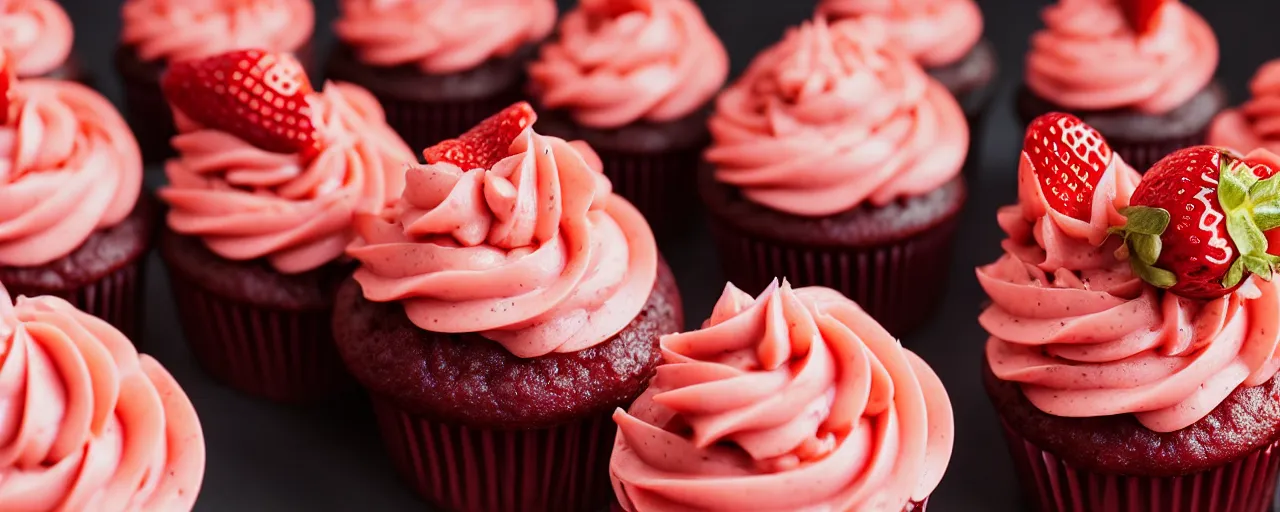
pixel 1141 139
pixel 103 277
pixel 892 260
pixel 263 333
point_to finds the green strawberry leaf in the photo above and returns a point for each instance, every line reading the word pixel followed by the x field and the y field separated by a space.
pixel 1145 220
pixel 1232 191
pixel 1248 237
pixel 1145 247
pixel 1265 191
pixel 1234 274
pixel 1267 215
pixel 1157 277
pixel 1259 266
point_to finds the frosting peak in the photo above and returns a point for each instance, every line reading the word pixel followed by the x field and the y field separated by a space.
pixel 618 63
pixel 833 116
pixel 37 34
pixel 534 253
pixel 1088 57
pixel 180 30
pixel 796 400
pixel 935 32
pixel 1256 124
pixel 88 423
pixel 69 165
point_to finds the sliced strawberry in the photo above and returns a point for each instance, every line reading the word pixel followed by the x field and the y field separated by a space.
pixel 257 95
pixel 1069 158
pixel 487 143
pixel 8 80
pixel 1141 14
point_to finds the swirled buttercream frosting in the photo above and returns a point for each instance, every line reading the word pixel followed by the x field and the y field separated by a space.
pixel 935 32
pixel 1256 124
pixel 168 30
pixel 37 34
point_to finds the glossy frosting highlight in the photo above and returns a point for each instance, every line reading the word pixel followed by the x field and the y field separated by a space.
pixel 796 400
pixel 248 203
pixel 935 32
pixel 535 253
pixel 180 29
pixel 619 62
pixel 833 117
pixel 69 165
pixel 1087 57
pixel 1256 124
pixel 441 36
pixel 1086 338
pixel 37 34
pixel 86 423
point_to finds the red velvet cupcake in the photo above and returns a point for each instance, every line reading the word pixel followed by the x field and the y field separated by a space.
pixel 635 80
pixel 503 308
pixel 38 36
pixel 796 400
pixel 73 222
pixel 836 162
pixel 155 33
pixel 1139 376
pixel 261 208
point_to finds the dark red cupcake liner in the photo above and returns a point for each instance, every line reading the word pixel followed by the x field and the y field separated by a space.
pixel 281 355
pixel 896 283
pixel 911 507
pixel 663 186
pixel 1143 155
pixel 564 468
pixel 1051 485
pixel 115 298
pixel 423 124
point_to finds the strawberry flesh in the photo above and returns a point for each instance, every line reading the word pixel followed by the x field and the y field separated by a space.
pixel 487 143
pixel 1141 14
pixel 1069 158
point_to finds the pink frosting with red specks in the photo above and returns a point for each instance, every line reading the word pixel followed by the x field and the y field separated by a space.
pixel 1256 124
pixel 37 34
pixel 182 29
pixel 442 36
pixel 833 117
pixel 935 32
pixel 69 166
pixel 247 203
pixel 796 400
pixel 1088 57
pixel 535 253
pixel 619 62
pixel 1085 337
pixel 86 423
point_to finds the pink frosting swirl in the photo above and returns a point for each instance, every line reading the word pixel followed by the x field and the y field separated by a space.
pixel 37 34
pixel 180 30
pixel 1086 338
pixel 832 117
pixel 248 203
pixel 442 36
pixel 935 32
pixel 535 253
pixel 797 400
pixel 1256 124
pixel 86 423
pixel 69 165
pixel 619 62
pixel 1088 57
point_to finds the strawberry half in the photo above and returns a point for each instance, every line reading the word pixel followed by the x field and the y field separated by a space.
pixel 1197 222
pixel 257 95
pixel 1069 158
pixel 1141 14
pixel 487 143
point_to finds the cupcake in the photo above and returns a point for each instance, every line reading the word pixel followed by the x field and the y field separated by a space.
pixel 157 32
pixel 90 423
pixel 38 35
pixel 260 209
pixel 73 220
pixel 836 162
pixel 944 36
pixel 635 80
pixel 796 400
pixel 1143 77
pixel 439 68
pixel 1256 124
pixel 503 308
pixel 1136 376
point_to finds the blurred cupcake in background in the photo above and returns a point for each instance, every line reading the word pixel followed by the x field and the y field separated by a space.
pixel 1256 123
pixel 260 210
pixel 1140 72
pixel 155 33
pixel 795 400
pixel 836 162
pixel 635 79
pixel 73 220
pixel 439 67
pixel 38 36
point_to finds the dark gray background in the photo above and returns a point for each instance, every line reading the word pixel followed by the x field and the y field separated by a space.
pixel 266 457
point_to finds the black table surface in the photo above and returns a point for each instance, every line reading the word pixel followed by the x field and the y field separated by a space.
pixel 268 457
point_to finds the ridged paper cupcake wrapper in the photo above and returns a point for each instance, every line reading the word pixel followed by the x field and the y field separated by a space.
pixel 1051 485
pixel 1142 155
pixel 116 297
pixel 663 186
pixel 284 356
pixel 558 469
pixel 911 507
pixel 898 284
pixel 423 124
